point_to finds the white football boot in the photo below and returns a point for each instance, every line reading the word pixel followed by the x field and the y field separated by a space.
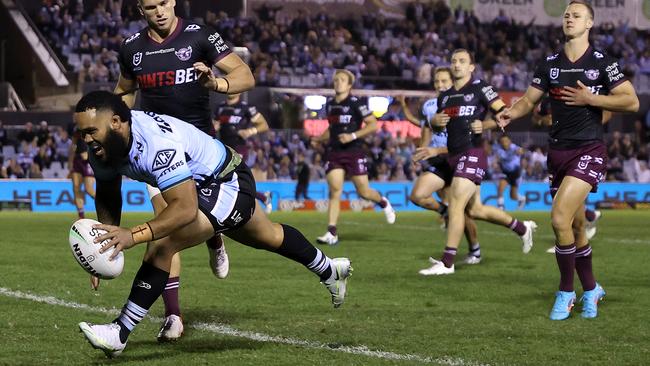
pixel 171 329
pixel 472 259
pixel 590 228
pixel 437 268
pixel 328 239
pixel 527 238
pixel 219 263
pixel 338 282
pixel 389 212
pixel 105 337
pixel 551 250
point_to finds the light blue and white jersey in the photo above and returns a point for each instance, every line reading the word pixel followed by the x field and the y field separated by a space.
pixel 429 110
pixel 165 152
pixel 509 160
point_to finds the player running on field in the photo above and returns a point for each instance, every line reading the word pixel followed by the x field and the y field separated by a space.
pixel 436 173
pixel 345 156
pixel 581 82
pixel 509 158
pixel 462 109
pixel 170 62
pixel 236 121
pixel 207 188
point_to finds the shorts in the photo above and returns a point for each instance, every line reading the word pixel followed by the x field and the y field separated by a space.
pixel 228 202
pixel 587 163
pixel 441 168
pixel 513 178
pixel 82 167
pixel 471 164
pixel 353 162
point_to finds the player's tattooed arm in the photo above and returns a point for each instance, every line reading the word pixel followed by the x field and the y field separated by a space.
pixel 108 201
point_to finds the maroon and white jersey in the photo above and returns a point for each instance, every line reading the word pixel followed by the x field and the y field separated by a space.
pixel 576 125
pixel 345 116
pixel 471 102
pixel 165 73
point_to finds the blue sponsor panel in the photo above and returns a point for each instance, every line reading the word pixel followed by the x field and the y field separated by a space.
pixel 56 195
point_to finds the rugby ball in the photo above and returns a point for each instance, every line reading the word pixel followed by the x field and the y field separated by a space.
pixel 86 252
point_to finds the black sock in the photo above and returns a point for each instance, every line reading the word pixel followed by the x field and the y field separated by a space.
pixel 297 248
pixel 442 209
pixel 147 286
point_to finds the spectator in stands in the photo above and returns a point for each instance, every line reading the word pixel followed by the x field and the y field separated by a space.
pixel 4 137
pixel 62 143
pixel 14 170
pixel 42 133
pixel 35 172
pixel 44 157
pixel 27 135
pixel 643 173
pixel 25 157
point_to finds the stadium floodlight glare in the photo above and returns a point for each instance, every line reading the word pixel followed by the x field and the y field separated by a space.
pixel 378 105
pixel 315 102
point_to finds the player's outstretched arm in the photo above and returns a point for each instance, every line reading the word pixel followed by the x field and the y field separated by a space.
pixel 407 111
pixel 126 88
pixel 369 128
pixel 522 107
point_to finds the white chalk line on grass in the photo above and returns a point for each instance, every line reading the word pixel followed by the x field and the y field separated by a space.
pixel 226 330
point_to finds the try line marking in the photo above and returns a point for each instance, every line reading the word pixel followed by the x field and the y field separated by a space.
pixel 226 330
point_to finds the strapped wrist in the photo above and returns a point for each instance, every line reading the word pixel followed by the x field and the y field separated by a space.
pixel 142 233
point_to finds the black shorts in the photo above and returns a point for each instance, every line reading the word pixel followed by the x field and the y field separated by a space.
pixel 513 178
pixel 441 168
pixel 228 202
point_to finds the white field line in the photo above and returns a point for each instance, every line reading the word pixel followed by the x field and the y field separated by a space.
pixel 505 232
pixel 226 330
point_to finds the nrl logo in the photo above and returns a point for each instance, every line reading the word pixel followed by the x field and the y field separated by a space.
pixel 554 73
pixel 137 58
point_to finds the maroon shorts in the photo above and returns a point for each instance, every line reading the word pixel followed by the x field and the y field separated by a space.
pixel 353 162
pixel 471 164
pixel 587 163
pixel 243 151
pixel 82 167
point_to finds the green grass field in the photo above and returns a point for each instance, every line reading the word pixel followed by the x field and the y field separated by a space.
pixel 271 311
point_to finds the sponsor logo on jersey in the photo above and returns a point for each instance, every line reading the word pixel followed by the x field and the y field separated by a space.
pixel 137 58
pixel 469 97
pixel 552 57
pixel 554 73
pixel 192 28
pixel 132 38
pixel 598 54
pixel 160 52
pixel 163 159
pixel 489 93
pixel 592 74
pixel 537 81
pixel 460 111
pixel 167 78
pixel 343 119
pixel 184 54
pixel 218 42
pixel 613 74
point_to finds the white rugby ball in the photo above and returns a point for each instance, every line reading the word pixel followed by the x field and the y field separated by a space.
pixel 86 252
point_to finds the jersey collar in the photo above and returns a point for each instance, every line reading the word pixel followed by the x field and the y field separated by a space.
pixel 174 34
pixel 580 59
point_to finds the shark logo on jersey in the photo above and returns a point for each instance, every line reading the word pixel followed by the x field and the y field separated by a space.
pixel 192 28
pixel 163 159
pixel 592 74
pixel 554 73
pixel 137 58
pixel 184 54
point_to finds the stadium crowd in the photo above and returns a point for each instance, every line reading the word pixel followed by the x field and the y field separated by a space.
pixel 282 155
pixel 381 52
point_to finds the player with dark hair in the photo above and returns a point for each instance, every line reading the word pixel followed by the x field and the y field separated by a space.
pixel 81 174
pixel 170 61
pixel 236 121
pixel 346 115
pixel 207 188
pixel 509 157
pixel 462 110
pixel 437 174
pixel 581 82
